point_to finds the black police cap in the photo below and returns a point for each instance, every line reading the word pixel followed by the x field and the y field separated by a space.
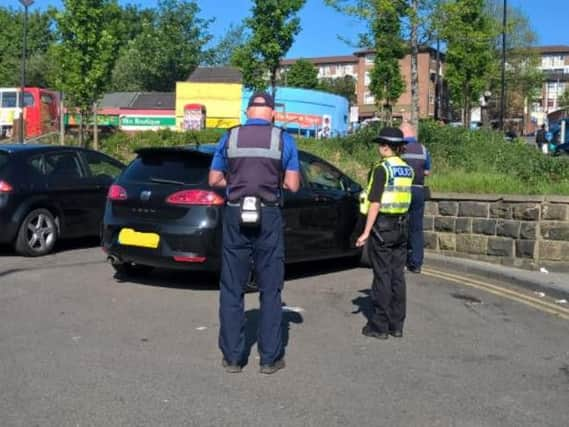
pixel 389 136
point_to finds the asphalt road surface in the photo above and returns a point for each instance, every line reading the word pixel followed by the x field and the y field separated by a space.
pixel 80 348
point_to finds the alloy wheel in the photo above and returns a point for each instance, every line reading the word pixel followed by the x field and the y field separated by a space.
pixel 40 233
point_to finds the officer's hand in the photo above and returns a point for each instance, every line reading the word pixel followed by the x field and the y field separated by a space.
pixel 362 240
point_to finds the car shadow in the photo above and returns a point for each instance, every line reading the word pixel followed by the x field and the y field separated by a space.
pixel 316 268
pixel 175 279
pixel 193 280
pixel 252 327
pixel 60 246
pixel 363 304
pixel 73 244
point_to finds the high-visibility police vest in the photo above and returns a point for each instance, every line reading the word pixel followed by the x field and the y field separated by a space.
pixel 396 196
pixel 254 162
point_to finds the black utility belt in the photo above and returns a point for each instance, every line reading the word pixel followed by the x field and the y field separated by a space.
pixel 237 204
pixel 250 210
pixel 391 218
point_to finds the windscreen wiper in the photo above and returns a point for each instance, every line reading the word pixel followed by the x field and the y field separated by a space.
pixel 166 181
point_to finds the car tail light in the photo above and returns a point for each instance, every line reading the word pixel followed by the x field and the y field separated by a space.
pixel 195 197
pixel 5 187
pixel 116 192
pixel 198 259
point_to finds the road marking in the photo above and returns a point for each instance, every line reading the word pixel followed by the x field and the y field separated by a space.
pixel 522 298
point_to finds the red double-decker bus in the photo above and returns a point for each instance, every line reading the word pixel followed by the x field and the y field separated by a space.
pixel 41 111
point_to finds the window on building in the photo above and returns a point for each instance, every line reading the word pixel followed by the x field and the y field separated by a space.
pixel 370 58
pixel 558 61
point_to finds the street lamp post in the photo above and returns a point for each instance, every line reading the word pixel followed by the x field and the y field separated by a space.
pixel 26 4
pixel 503 83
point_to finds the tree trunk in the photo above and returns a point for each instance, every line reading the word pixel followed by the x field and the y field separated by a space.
pixel 414 61
pixel 82 128
pixel 274 84
pixel 95 128
pixel 466 106
pixel 61 119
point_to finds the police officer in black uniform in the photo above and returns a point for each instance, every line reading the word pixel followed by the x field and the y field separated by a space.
pixel 386 203
pixel 255 162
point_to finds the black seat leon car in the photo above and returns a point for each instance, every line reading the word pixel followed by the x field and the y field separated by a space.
pixel 161 212
pixel 50 192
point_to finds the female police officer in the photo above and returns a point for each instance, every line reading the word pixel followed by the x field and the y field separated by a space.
pixel 386 202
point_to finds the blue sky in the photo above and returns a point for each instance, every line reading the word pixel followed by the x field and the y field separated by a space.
pixel 321 24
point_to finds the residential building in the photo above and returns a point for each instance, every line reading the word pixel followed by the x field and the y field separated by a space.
pixel 555 67
pixel 359 65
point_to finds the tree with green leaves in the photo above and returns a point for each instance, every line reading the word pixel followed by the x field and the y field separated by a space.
pixel 383 18
pixel 469 34
pixel 40 37
pixel 387 85
pixel 223 54
pixel 302 74
pixel 413 15
pixel 86 51
pixel 274 25
pixel 345 86
pixel 169 46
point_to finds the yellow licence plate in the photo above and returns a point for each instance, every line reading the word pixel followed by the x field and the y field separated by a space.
pixel 129 237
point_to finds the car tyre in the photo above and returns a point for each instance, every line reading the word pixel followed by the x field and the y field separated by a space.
pixel 37 234
pixel 131 269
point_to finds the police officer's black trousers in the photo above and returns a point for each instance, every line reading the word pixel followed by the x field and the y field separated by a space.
pixel 416 240
pixel 388 255
pixel 265 247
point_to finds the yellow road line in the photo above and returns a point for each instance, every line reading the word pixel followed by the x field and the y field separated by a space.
pixel 501 289
pixel 503 292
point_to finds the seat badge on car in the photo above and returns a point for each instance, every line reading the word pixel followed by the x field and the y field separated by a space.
pixel 145 195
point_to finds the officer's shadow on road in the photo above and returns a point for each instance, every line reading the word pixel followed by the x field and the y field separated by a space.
pixel 363 304
pixel 252 327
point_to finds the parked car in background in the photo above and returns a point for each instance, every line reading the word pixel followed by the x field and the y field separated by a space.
pixel 51 192
pixel 162 213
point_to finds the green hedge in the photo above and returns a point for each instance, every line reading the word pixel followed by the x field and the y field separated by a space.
pixel 463 160
pixel 122 145
pixel 483 162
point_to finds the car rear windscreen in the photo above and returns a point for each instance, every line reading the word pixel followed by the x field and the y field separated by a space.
pixel 176 167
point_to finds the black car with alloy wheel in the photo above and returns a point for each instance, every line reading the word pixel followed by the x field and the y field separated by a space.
pixel 162 213
pixel 50 192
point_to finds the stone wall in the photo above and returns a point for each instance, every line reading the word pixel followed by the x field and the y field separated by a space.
pixel 524 231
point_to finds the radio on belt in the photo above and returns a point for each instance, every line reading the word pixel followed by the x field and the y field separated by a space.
pixel 250 209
